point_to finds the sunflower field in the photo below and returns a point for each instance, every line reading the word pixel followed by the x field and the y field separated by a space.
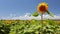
pixel 29 27
pixel 32 26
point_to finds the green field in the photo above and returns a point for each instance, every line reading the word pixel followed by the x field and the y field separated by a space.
pixel 29 27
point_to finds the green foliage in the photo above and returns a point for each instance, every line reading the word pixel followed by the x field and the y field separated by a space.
pixel 4 28
pixel 30 27
pixel 51 14
pixel 35 14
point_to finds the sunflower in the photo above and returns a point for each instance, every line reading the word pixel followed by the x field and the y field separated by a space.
pixel 42 7
pixel 8 21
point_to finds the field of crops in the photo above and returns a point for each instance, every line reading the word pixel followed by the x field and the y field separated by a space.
pixel 29 27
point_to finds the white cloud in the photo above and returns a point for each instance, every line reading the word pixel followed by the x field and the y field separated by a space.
pixel 28 16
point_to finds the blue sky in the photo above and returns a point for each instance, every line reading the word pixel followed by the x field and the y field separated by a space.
pixel 21 7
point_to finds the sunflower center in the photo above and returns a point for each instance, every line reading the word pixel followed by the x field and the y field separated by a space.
pixel 42 8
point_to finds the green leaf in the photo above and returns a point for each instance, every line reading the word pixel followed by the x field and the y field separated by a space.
pixel 51 14
pixel 35 14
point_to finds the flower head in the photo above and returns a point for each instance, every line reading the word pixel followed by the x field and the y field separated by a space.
pixel 42 7
pixel 8 21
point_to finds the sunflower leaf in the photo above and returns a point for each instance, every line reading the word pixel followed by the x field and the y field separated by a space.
pixel 51 14
pixel 35 14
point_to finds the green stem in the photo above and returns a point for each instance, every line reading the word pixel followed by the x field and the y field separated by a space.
pixel 42 21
